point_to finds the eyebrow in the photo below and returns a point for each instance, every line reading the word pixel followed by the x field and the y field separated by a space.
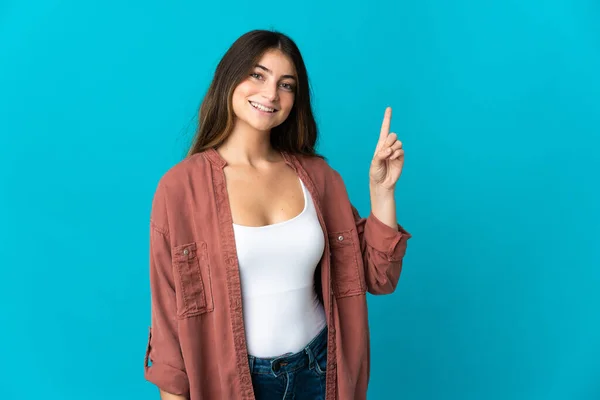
pixel 271 72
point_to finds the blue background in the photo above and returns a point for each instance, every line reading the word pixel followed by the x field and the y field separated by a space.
pixel 498 106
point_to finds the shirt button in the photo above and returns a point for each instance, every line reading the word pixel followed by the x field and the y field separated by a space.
pixel 186 252
pixel 340 238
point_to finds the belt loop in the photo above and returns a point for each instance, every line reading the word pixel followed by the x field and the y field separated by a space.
pixel 311 357
pixel 251 363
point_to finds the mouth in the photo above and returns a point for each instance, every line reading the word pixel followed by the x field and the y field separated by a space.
pixel 262 108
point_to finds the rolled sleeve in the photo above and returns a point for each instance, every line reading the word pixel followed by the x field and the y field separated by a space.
pixel 383 249
pixel 164 376
pixel 385 239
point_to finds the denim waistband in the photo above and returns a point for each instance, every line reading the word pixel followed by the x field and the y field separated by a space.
pixel 290 362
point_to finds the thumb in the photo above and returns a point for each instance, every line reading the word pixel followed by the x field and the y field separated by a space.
pixel 382 155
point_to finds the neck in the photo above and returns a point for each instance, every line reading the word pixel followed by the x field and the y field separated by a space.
pixel 248 146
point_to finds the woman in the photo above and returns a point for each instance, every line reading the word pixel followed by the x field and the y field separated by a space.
pixel 259 263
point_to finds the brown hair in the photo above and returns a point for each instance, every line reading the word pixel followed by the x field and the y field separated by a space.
pixel 297 134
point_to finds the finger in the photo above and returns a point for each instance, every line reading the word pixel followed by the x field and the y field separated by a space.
pixel 385 125
pixel 390 152
pixel 396 145
pixel 397 154
pixel 390 140
pixel 383 154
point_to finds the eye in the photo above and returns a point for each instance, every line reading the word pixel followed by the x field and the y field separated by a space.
pixel 287 86
pixel 256 75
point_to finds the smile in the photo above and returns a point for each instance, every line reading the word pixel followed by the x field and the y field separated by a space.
pixel 260 107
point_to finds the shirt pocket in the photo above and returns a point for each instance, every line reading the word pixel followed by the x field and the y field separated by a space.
pixel 347 268
pixel 192 277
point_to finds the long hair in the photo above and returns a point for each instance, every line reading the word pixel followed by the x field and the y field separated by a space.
pixel 297 134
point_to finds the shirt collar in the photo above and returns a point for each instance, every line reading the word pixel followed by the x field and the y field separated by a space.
pixel 214 157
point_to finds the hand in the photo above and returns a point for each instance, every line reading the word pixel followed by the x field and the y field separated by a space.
pixel 388 160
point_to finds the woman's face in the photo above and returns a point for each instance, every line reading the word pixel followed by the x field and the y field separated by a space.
pixel 265 98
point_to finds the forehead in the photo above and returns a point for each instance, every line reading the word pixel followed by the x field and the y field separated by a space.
pixel 277 62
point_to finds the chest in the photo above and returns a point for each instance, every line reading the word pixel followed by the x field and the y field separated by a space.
pixel 260 198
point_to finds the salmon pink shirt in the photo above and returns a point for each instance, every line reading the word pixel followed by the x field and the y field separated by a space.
pixel 197 345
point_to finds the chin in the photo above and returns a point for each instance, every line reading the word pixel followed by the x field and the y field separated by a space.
pixel 267 128
pixel 262 126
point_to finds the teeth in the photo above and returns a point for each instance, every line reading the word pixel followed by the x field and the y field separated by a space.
pixel 261 107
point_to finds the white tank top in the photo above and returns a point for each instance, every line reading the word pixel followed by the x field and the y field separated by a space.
pixel 282 313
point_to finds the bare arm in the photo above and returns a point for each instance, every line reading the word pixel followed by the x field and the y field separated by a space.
pixel 383 240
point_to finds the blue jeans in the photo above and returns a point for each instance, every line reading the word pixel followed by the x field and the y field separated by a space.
pixel 298 376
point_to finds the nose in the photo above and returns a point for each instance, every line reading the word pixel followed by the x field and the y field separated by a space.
pixel 270 92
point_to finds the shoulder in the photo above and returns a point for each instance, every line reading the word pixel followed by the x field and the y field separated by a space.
pixel 176 183
pixel 179 174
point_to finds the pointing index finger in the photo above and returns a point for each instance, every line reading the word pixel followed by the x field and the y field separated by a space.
pixel 385 126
